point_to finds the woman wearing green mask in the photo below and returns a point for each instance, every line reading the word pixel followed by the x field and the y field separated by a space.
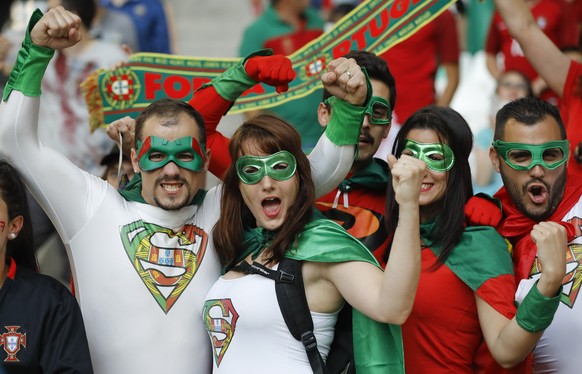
pixel 267 214
pixel 463 319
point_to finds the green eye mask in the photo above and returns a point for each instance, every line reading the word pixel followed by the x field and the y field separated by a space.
pixel 521 156
pixel 280 166
pixel 437 156
pixel 378 109
pixel 154 153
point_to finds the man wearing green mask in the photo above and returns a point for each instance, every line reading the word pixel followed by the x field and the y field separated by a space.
pixel 358 202
pixel 530 151
pixel 142 258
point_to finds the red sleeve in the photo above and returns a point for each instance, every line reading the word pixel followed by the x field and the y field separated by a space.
pixel 493 42
pixel 212 107
pixel 568 30
pixel 448 38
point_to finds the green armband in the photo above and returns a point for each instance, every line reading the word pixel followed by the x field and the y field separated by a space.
pixel 536 312
pixel 234 81
pixel 31 63
pixel 346 119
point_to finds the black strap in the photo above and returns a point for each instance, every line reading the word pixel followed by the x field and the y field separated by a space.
pixel 293 304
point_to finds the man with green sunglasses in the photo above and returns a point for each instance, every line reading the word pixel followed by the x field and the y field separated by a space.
pixel 541 208
pixel 358 202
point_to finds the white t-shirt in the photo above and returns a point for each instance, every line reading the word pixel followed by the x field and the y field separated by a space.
pixel 248 333
pixel 557 351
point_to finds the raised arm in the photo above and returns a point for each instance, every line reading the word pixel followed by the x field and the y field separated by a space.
pixel 389 296
pixel 59 186
pixel 550 63
pixel 511 340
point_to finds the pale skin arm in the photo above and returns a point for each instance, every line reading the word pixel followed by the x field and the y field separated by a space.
pixel 550 63
pixel 452 71
pixel 508 342
pixel 383 296
pixel 491 63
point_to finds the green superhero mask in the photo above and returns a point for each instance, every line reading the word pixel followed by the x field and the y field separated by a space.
pixel 437 156
pixel 280 166
pixel 378 109
pixel 521 156
pixel 154 153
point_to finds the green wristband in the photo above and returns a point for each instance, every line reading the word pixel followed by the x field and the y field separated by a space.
pixel 536 312
pixel 346 119
pixel 234 81
pixel 31 63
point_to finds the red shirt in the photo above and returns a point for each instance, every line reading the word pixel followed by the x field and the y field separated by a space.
pixel 556 20
pixel 571 110
pixel 414 63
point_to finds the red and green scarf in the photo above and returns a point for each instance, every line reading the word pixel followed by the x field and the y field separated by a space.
pixel 517 228
pixel 375 26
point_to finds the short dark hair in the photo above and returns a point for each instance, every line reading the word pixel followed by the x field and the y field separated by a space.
pixel 528 111
pixel 377 69
pixel 169 108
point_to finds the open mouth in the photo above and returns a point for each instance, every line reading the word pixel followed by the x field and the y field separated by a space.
pixel 425 187
pixel 171 187
pixel 538 193
pixel 271 206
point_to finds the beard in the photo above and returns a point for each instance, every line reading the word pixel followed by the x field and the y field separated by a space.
pixel 519 196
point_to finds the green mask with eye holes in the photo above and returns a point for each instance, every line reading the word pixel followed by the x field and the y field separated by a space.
pixel 438 157
pixel 378 109
pixel 154 153
pixel 521 156
pixel 280 166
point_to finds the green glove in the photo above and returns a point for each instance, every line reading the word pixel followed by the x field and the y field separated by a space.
pixel 31 63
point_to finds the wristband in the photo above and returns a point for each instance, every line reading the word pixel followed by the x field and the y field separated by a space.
pixel 31 63
pixel 346 119
pixel 536 312
pixel 235 80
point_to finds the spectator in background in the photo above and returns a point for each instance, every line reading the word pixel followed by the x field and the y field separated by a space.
pixel 64 117
pixel 511 85
pixel 286 26
pixel 115 177
pixel 414 63
pixel 562 74
pixel 114 26
pixel 556 19
pixel 150 19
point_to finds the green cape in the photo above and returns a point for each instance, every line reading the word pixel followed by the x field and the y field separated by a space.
pixel 377 346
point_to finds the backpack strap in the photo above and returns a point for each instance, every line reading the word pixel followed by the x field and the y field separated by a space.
pixel 293 304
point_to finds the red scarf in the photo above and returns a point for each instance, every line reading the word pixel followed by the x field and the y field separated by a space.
pixel 516 227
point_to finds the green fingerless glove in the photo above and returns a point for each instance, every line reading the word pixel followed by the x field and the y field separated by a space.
pixel 346 119
pixel 536 312
pixel 234 81
pixel 31 63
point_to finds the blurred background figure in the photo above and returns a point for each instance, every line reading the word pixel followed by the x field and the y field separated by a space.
pixel 511 85
pixel 286 26
pixel 115 27
pixel 556 19
pixel 414 63
pixel 150 17
pixel 115 177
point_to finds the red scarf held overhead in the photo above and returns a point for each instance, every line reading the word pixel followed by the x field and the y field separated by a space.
pixel 517 228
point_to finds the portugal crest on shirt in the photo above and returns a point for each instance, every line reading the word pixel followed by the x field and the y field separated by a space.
pixel 165 260
pixel 12 341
